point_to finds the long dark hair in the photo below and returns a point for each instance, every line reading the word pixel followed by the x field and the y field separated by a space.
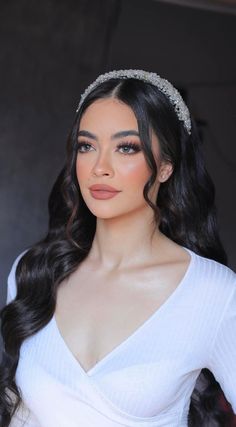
pixel 184 206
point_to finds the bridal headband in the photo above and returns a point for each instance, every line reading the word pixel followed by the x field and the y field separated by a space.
pixel 163 85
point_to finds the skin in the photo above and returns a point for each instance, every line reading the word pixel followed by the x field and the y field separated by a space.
pixel 104 164
pixel 130 271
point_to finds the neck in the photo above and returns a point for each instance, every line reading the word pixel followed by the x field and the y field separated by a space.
pixel 125 241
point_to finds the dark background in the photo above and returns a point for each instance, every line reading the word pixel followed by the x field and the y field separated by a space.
pixel 51 50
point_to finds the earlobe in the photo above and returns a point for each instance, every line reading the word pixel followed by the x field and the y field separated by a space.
pixel 165 171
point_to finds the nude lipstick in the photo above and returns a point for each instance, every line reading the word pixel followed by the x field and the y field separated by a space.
pixel 102 191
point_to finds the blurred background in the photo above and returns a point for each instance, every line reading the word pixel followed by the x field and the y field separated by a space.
pixel 51 50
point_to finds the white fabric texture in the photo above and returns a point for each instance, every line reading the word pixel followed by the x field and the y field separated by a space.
pixel 148 379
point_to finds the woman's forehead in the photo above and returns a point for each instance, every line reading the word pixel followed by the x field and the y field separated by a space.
pixel 109 106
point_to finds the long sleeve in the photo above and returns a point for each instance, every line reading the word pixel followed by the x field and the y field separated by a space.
pixel 222 360
pixel 22 417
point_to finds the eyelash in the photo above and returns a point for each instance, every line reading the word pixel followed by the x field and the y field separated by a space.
pixel 131 145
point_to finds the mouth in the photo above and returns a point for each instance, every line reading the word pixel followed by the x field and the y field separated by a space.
pixel 102 187
pixel 103 194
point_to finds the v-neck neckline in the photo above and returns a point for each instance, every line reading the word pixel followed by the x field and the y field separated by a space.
pixel 127 340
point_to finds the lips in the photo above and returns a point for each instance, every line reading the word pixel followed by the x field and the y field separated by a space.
pixel 103 187
pixel 103 192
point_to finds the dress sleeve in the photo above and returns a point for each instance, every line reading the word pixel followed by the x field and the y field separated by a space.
pixel 11 281
pixel 222 360
pixel 23 418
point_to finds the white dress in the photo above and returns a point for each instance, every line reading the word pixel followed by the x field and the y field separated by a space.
pixel 148 379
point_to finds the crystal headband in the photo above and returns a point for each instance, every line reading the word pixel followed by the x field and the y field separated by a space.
pixel 163 85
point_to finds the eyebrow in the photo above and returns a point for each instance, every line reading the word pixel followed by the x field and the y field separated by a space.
pixel 116 135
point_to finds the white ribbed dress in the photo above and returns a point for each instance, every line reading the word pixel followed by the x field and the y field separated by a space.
pixel 148 379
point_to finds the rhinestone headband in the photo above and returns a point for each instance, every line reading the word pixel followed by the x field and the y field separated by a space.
pixel 163 85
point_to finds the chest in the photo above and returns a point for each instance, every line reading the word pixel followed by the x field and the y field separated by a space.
pixel 146 374
pixel 97 313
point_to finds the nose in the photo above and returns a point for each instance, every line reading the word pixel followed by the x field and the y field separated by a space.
pixel 103 165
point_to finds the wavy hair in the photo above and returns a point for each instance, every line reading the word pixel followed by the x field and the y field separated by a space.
pixel 184 211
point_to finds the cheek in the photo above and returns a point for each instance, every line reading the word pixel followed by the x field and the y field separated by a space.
pixel 136 173
pixel 82 168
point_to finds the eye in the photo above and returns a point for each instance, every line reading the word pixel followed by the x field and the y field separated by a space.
pixel 129 148
pixel 123 148
pixel 84 147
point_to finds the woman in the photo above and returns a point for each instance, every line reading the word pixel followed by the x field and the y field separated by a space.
pixel 111 318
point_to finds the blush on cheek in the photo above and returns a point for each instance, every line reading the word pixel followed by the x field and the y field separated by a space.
pixel 136 173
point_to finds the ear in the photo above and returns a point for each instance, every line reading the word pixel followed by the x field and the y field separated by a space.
pixel 165 171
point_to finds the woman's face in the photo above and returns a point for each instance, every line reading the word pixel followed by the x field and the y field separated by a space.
pixel 109 153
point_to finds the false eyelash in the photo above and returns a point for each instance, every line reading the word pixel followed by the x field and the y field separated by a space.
pixel 81 144
pixel 136 147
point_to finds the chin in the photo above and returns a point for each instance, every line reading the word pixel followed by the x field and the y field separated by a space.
pixel 103 215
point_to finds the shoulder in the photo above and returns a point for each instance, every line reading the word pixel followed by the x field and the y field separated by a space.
pixel 11 281
pixel 213 278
